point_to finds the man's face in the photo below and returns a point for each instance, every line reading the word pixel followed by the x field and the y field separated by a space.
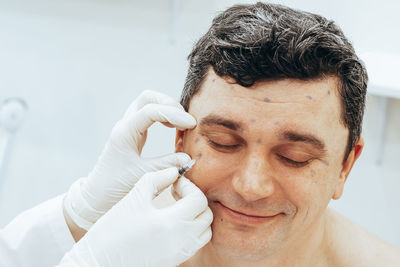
pixel 269 159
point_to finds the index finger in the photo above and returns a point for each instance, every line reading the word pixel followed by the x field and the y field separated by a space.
pixel 151 97
pixel 146 116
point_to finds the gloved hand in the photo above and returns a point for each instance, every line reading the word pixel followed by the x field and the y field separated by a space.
pixel 135 233
pixel 120 166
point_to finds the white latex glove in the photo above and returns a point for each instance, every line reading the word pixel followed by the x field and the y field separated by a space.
pixel 135 233
pixel 120 166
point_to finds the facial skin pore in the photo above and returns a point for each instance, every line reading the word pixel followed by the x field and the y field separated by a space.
pixel 273 151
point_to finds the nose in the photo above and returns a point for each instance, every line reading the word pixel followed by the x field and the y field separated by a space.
pixel 253 179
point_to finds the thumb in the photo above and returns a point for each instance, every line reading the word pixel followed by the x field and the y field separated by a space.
pixel 152 183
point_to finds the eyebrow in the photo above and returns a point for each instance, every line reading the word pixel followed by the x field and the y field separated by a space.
pixel 293 136
pixel 215 120
pixel 285 135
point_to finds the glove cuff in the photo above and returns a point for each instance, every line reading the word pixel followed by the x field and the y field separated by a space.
pixel 78 208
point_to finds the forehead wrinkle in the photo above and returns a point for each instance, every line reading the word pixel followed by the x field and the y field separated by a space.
pixel 259 99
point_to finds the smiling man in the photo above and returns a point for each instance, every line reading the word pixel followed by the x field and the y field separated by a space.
pixel 278 95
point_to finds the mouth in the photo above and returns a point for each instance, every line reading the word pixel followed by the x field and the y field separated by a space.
pixel 242 217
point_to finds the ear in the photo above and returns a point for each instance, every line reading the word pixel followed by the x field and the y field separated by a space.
pixel 347 166
pixel 179 141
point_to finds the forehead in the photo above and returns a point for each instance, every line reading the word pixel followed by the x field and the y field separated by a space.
pixel 318 94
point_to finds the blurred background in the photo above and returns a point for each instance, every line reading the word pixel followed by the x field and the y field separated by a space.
pixel 69 69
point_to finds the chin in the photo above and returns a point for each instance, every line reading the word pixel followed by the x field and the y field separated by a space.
pixel 245 243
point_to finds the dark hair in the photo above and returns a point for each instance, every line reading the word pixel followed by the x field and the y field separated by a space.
pixel 253 42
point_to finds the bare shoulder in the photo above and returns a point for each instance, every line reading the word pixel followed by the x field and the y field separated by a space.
pixel 349 244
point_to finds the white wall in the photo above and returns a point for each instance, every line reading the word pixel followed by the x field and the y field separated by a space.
pixel 78 65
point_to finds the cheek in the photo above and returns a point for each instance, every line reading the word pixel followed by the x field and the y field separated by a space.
pixel 208 171
pixel 211 168
pixel 310 192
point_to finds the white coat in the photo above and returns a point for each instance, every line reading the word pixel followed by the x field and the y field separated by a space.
pixel 37 237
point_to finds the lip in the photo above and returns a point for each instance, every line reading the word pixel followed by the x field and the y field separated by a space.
pixel 244 218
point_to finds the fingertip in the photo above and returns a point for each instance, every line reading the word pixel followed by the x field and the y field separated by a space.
pixel 205 237
pixel 162 179
pixel 189 123
pixel 182 158
pixel 208 234
pixel 172 171
pixel 192 121
pixel 184 187
pixel 210 213
pixel 202 199
pixel 180 106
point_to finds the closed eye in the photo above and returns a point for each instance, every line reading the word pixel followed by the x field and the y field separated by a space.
pixel 294 163
pixel 228 147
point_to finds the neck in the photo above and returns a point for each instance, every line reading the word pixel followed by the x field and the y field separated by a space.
pixel 308 249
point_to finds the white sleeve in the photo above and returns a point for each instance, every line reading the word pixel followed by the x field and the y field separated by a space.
pixel 37 237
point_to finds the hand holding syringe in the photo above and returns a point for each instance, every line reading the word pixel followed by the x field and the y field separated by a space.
pixel 125 229
pixel 135 233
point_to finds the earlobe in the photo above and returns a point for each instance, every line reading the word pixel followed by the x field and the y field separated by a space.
pixel 347 166
pixel 179 141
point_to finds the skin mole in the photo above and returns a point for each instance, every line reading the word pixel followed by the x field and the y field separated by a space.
pixel 267 99
pixel 309 97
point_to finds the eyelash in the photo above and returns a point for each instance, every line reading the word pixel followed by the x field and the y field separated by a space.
pixel 294 163
pixel 223 146
pixel 289 161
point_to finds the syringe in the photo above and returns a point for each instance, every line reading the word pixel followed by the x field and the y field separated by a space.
pixel 182 170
